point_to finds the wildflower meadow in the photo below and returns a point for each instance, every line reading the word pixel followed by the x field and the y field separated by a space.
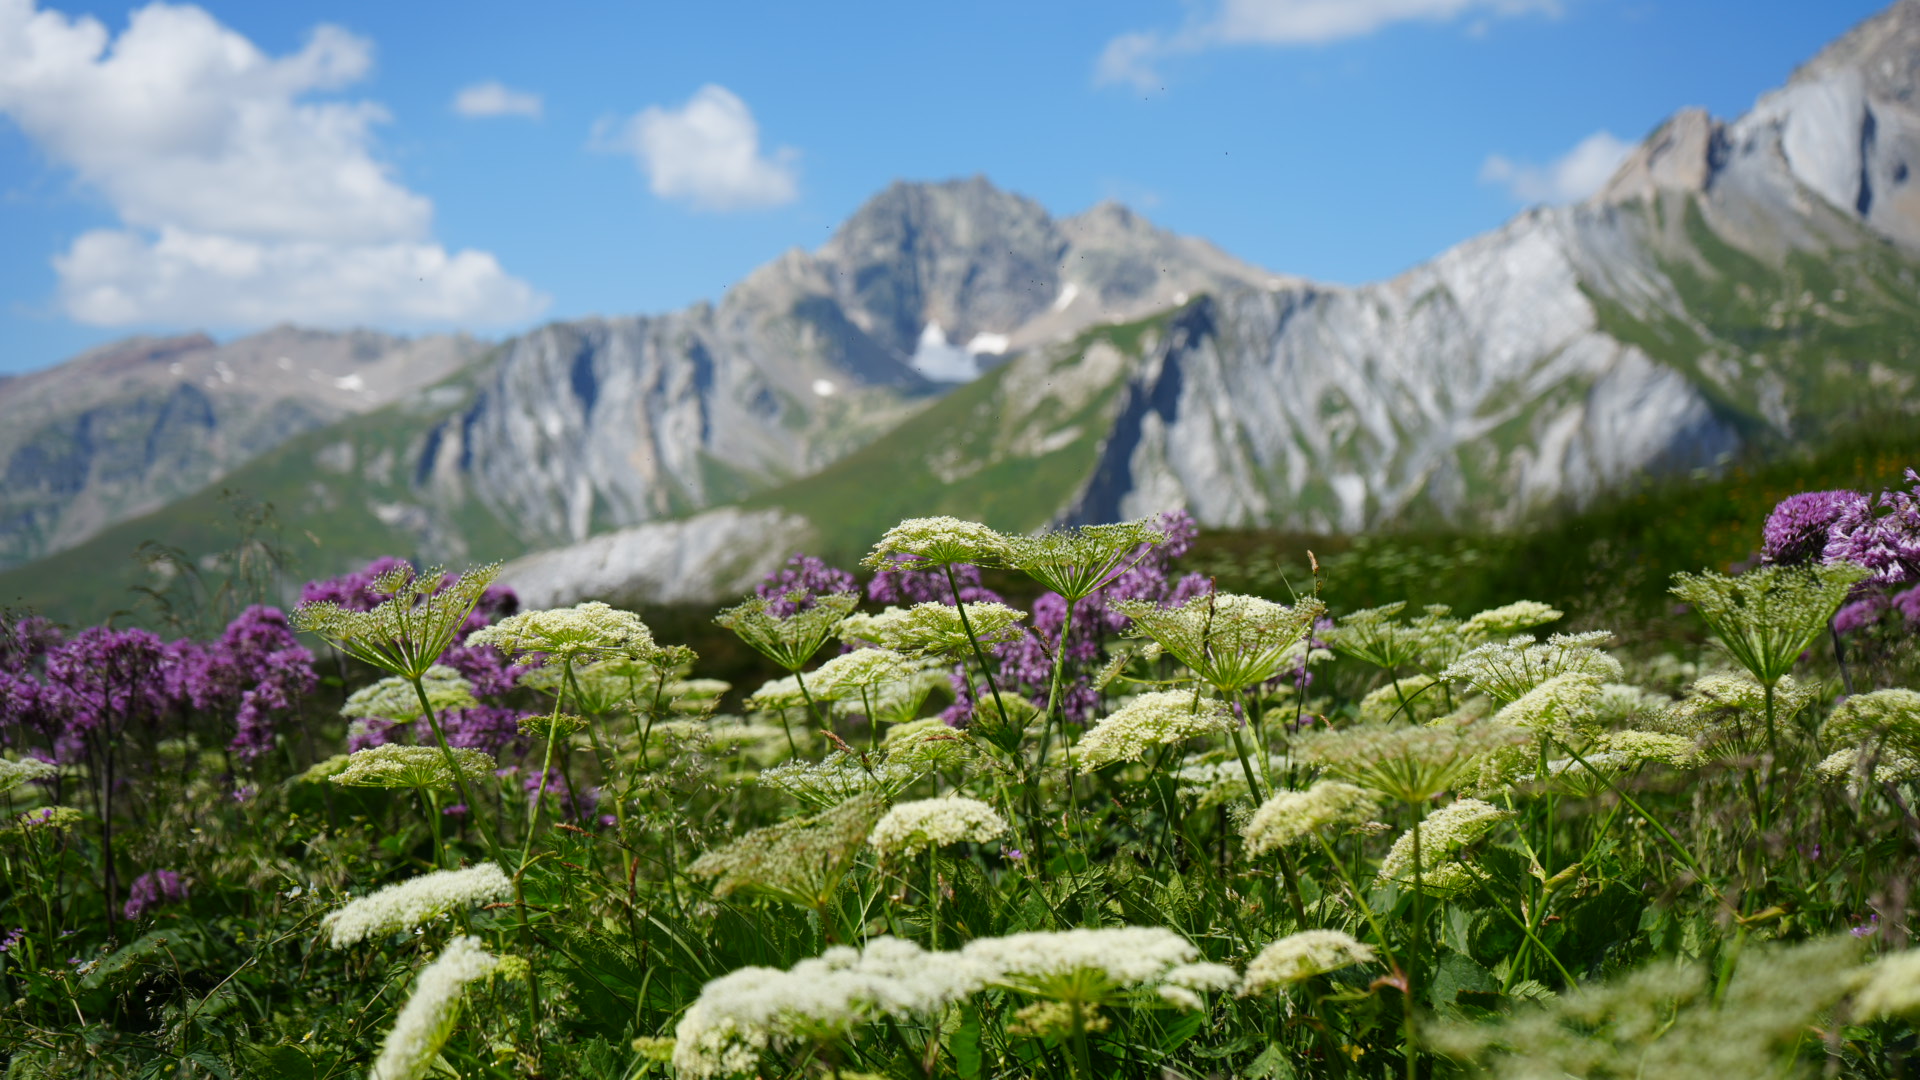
pixel 995 806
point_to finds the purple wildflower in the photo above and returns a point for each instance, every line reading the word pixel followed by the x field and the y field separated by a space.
pixel 155 888
pixel 1797 531
pixel 806 576
pixel 1886 542
pixel 13 939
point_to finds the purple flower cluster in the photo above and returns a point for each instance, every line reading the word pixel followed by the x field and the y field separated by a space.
pixel 1797 531
pixel 1883 536
pixel 257 670
pixel 1880 533
pixel 153 889
pixel 795 586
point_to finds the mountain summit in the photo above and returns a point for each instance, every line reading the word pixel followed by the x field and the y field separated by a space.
pixel 1739 287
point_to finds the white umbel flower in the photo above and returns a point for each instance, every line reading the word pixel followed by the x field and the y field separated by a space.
pixel 1442 835
pixel 1086 965
pixel 1299 957
pixel 26 770
pixel 411 903
pixel 741 1015
pixel 911 827
pixel 394 698
pixel 584 631
pixel 395 766
pixel 939 541
pixel 1890 987
pixel 1162 718
pixel 1292 816
pixel 430 1014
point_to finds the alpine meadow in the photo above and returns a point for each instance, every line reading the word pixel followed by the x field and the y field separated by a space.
pixel 993 646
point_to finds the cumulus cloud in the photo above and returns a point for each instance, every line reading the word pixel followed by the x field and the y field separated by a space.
pixel 1133 57
pixel 1570 177
pixel 240 202
pixel 496 99
pixel 706 153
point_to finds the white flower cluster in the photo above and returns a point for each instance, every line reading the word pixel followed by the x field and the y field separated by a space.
pixel 1716 702
pixel 1210 781
pixel 1504 671
pixel 911 827
pixel 592 629
pixel 1564 706
pixel 25 770
pixel 1769 615
pixel 393 698
pixel 407 634
pixel 847 675
pixel 1891 717
pixel 1442 835
pixel 1633 745
pixel 840 776
pixel 1228 640
pixel 1889 986
pixel 428 1018
pixel 1161 718
pixel 742 1015
pixel 396 766
pixel 939 541
pixel 411 903
pixel 1848 764
pixel 934 628
pixel 1299 957
pixel 1416 698
pixel 1508 619
pixel 1292 816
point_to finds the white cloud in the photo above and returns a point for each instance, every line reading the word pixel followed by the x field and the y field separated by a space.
pixel 1132 57
pixel 707 153
pixel 496 99
pixel 1571 177
pixel 240 201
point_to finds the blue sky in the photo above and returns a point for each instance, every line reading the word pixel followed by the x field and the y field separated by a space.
pixel 238 164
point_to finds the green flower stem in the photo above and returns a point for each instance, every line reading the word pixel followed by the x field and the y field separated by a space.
pixel 1246 766
pixel 433 821
pixel 459 778
pixel 1053 692
pixel 813 710
pixel 1083 1059
pixel 1360 898
pixel 1419 943
pixel 1527 929
pixel 1292 880
pixel 1686 857
pixel 993 687
pixel 599 751
pixel 933 899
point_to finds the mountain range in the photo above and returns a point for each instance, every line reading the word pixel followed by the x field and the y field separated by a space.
pixel 1740 287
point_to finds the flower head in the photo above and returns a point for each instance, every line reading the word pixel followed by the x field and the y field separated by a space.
pixel 1798 529
pixel 788 641
pixel 1087 966
pixel 25 770
pixel 414 902
pixel 1291 816
pixel 1767 617
pixel 940 541
pixel 1890 717
pixel 407 633
pixel 1889 987
pixel 155 888
pixel 800 860
pixel 842 775
pixel 1409 764
pixel 1231 642
pixel 1506 670
pixel 428 1018
pixel 846 676
pixel 1299 957
pixel 1077 562
pixel 937 629
pixel 1161 718
pixel 912 827
pixel 396 766
pixel 592 630
pixel 1442 835
pixel 393 698
pixel 1564 706
pixel 1508 619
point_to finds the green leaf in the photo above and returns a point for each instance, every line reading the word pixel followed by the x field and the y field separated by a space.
pixel 965 1045
pixel 1272 1064
pixel 278 1063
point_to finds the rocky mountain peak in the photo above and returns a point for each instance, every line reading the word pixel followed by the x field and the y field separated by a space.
pixel 1681 155
pixel 1884 51
pixel 960 253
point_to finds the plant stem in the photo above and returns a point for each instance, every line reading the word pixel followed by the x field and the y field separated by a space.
pixel 453 764
pixel 1419 943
